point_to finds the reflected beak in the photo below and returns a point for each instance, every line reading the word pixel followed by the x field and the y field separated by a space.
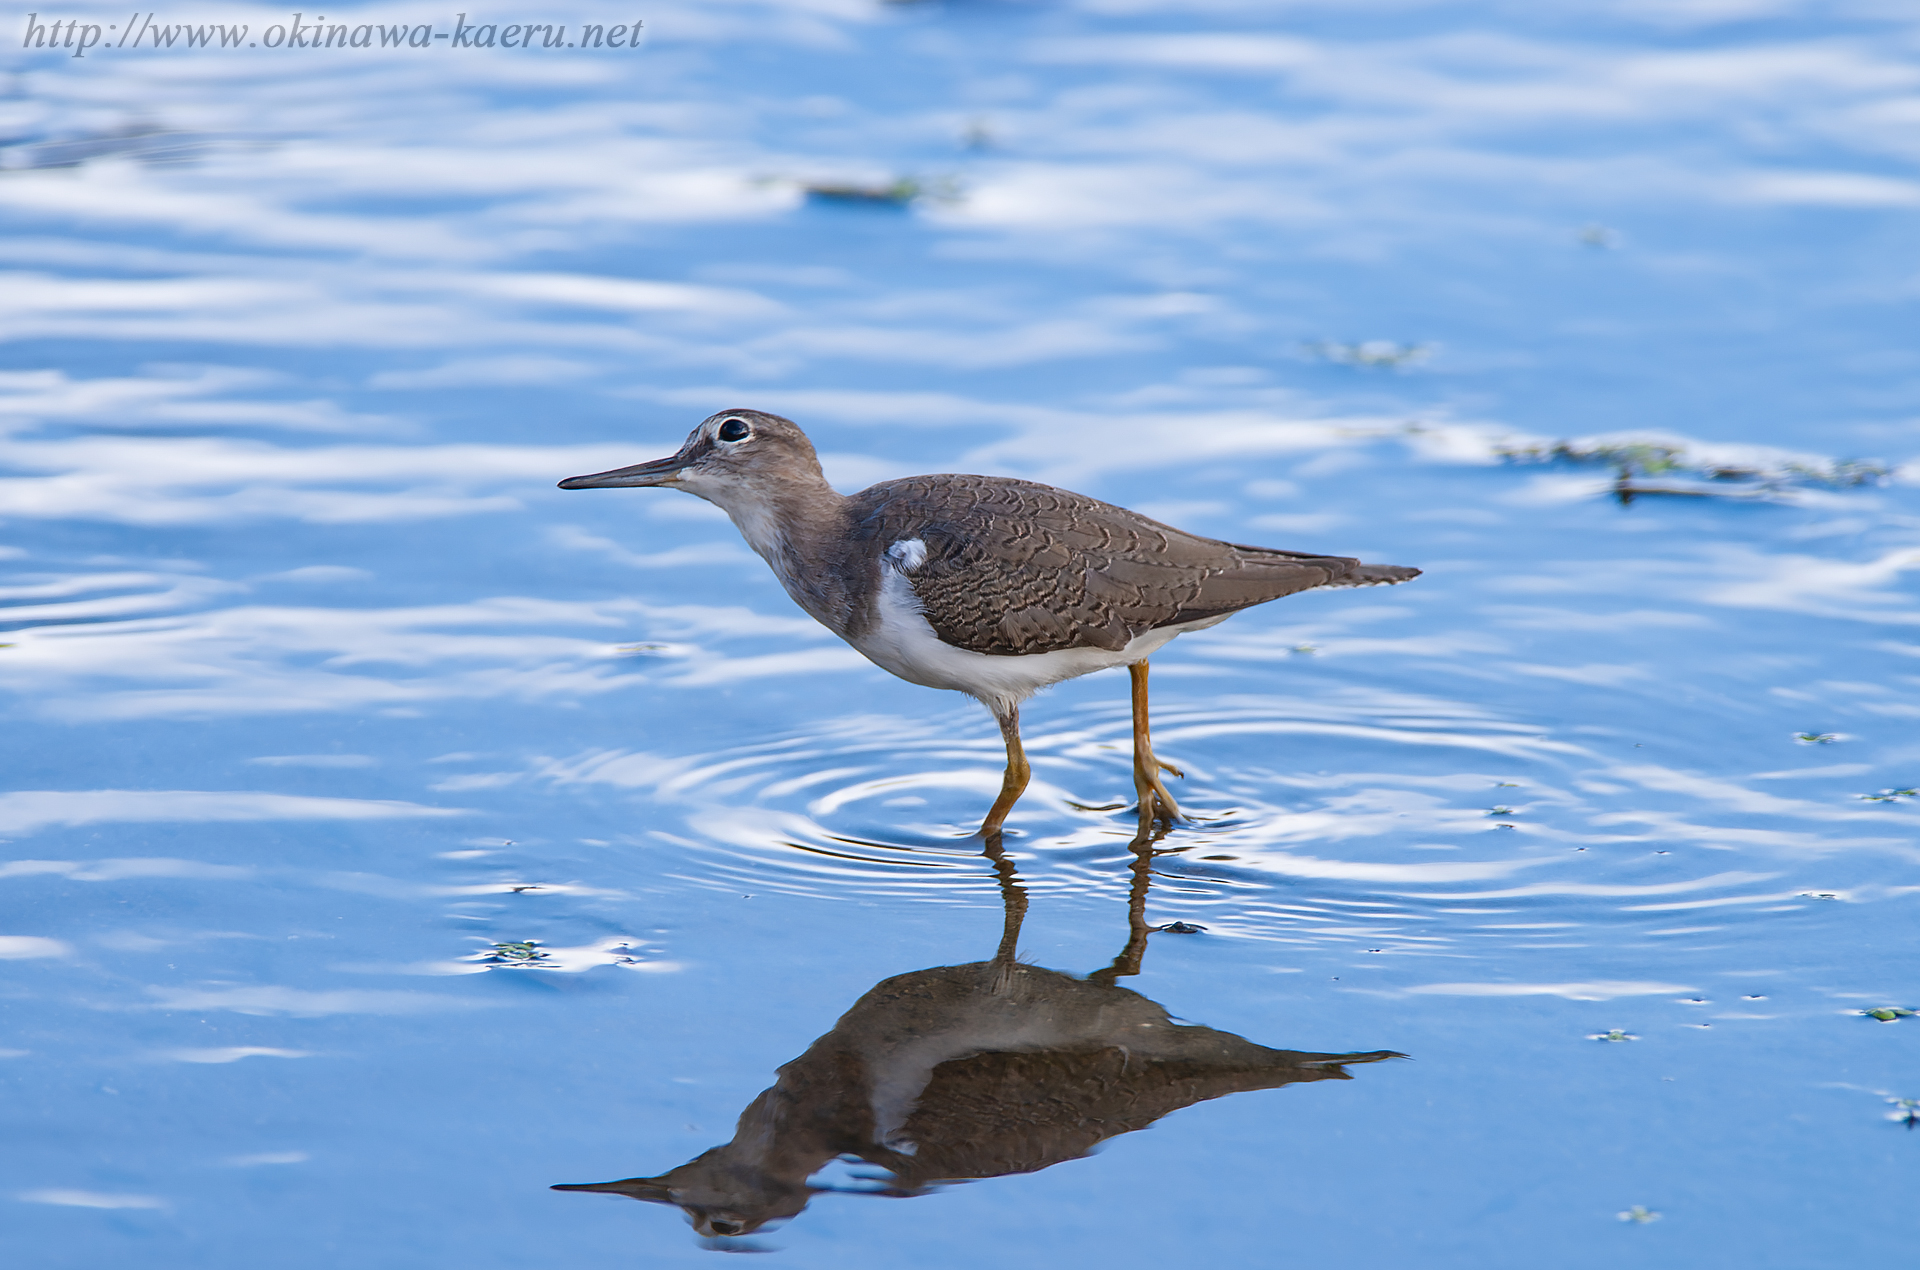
pixel 658 472
pixel 653 1190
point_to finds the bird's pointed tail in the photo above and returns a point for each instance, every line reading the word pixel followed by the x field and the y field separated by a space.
pixel 1375 575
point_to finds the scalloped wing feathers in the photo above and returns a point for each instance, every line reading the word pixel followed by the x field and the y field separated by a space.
pixel 1010 567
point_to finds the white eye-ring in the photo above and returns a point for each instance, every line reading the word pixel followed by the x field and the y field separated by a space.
pixel 733 430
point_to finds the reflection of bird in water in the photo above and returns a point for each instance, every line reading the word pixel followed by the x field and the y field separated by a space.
pixel 988 585
pixel 973 1071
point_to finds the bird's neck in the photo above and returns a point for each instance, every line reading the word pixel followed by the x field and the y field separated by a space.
pixel 799 529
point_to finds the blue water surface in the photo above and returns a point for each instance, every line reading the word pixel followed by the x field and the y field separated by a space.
pixel 389 836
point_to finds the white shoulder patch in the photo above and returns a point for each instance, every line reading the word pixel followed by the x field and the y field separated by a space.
pixel 907 554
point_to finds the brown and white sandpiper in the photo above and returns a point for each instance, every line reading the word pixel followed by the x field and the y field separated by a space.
pixel 987 585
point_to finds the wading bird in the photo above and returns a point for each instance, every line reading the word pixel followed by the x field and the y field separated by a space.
pixel 987 585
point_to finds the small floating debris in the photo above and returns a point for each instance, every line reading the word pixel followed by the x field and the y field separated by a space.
pixel 1625 491
pixel 1599 237
pixel 1501 811
pixel 1305 650
pixel 902 192
pixel 523 952
pixel 897 194
pixel 1370 354
pixel 1889 795
pixel 1639 1214
pixel 1816 738
pixel 533 954
pixel 1905 1111
pixel 1613 1034
pixel 1178 928
pixel 1886 1013
pixel 640 650
pixel 1819 895
pixel 1635 461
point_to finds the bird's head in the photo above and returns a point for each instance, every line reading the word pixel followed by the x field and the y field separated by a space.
pixel 731 456
pixel 723 1192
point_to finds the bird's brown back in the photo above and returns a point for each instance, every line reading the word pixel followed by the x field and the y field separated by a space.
pixel 1014 567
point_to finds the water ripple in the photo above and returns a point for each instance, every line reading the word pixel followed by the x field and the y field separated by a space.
pixel 1377 848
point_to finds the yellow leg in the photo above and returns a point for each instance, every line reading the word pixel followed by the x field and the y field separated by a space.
pixel 1155 802
pixel 1018 772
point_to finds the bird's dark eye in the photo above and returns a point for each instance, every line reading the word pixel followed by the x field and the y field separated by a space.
pixel 734 430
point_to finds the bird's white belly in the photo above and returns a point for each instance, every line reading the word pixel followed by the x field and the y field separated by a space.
pixel 902 642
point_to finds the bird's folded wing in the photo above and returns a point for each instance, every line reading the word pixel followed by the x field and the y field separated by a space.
pixel 1009 567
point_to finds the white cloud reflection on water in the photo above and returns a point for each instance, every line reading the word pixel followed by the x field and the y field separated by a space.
pixel 89 1199
pixel 31 947
pixel 271 660
pixel 24 811
pixel 307 1003
pixel 232 1054
pixel 1599 991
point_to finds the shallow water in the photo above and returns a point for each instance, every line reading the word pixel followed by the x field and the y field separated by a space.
pixel 391 836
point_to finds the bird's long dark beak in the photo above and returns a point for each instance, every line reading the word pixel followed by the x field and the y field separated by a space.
pixel 658 472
